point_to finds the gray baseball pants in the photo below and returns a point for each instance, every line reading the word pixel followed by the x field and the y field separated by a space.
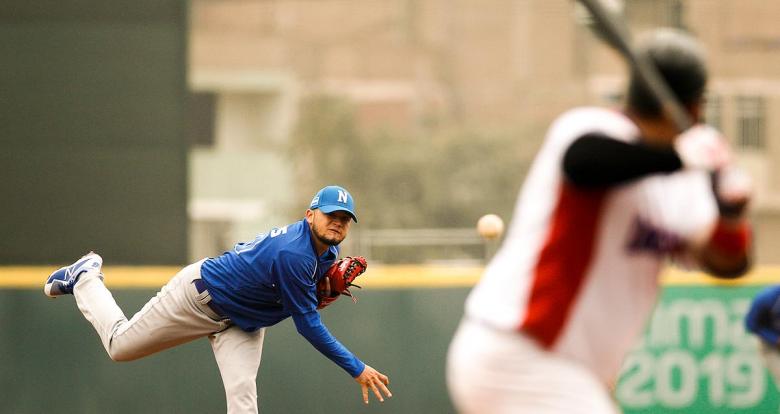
pixel 177 314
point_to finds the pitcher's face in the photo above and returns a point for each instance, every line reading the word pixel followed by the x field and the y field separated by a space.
pixel 329 228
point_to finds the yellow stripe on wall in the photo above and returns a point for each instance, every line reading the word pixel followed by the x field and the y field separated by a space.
pixel 378 276
pixel 762 275
pixel 26 277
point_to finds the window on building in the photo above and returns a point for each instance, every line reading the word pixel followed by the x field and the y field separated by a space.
pixel 750 122
pixel 713 111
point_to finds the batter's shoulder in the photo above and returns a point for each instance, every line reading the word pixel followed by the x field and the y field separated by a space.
pixel 592 115
pixel 581 121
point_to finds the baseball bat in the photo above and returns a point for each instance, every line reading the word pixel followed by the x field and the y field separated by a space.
pixel 617 35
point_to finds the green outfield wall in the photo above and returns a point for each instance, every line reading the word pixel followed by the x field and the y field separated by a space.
pixel 53 361
pixel 694 358
pixel 92 133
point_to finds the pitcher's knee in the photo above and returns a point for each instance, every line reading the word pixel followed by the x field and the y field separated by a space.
pixel 123 354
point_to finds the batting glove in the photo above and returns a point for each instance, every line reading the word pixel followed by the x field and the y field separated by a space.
pixel 702 147
pixel 733 189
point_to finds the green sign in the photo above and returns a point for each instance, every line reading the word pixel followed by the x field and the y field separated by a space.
pixel 696 357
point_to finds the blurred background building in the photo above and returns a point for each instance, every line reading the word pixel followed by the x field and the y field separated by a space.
pixel 292 95
pixel 196 124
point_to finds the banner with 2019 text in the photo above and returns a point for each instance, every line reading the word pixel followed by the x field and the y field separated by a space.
pixel 696 357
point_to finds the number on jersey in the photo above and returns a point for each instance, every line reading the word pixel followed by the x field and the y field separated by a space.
pixel 247 246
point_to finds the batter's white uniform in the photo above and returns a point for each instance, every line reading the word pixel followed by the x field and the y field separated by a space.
pixel 546 328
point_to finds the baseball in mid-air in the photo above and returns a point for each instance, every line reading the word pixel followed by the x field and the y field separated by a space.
pixel 490 226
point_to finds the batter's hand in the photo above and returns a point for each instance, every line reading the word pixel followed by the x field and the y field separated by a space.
pixel 702 147
pixel 733 190
pixel 371 378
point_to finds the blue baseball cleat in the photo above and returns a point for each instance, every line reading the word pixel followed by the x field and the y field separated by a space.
pixel 61 282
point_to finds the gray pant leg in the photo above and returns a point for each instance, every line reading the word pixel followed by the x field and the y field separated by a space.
pixel 238 357
pixel 170 318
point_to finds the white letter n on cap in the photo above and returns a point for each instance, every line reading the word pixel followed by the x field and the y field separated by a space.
pixel 342 196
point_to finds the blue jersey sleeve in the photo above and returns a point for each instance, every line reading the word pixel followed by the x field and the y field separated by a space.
pixel 310 326
pixel 297 282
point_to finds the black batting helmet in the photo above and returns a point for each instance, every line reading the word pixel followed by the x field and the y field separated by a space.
pixel 680 61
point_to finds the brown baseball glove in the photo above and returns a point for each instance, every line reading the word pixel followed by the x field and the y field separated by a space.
pixel 339 278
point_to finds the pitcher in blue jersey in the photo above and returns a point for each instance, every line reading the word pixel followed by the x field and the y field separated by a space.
pixel 232 299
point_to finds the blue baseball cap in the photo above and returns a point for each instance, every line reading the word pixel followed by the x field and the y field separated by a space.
pixel 334 198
